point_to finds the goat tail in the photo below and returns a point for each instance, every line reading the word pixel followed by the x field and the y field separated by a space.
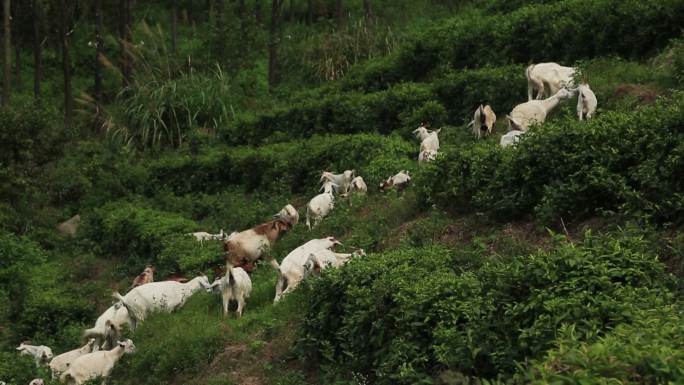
pixel 308 217
pixel 231 277
pixel 528 71
pixel 132 313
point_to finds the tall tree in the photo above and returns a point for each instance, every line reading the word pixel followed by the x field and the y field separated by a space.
pixel 37 48
pixel 367 9
pixel 64 32
pixel 125 39
pixel 6 83
pixel 174 25
pixel 99 42
pixel 17 47
pixel 309 12
pixel 339 13
pixel 273 43
pixel 257 11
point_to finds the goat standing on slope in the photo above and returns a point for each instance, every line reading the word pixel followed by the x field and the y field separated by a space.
pixel 535 111
pixel 586 102
pixel 483 120
pixel 236 285
pixel 547 79
pixel 320 205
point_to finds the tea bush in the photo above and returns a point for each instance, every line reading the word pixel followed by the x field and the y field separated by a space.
pixel 133 233
pixel 562 31
pixel 406 315
pixel 293 165
pixel 649 350
pixel 556 171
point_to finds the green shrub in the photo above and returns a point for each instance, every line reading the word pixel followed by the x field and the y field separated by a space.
pixel 135 234
pixel 555 172
pixel 294 165
pixel 16 369
pixel 647 351
pixel 406 315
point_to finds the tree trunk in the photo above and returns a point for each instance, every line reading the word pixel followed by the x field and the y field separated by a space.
pixel 174 25
pixel 339 13
pixel 367 8
pixel 244 33
pixel 6 83
pixel 257 11
pixel 273 43
pixel 37 49
pixel 125 41
pixel 309 12
pixel 98 65
pixel 17 52
pixel 66 65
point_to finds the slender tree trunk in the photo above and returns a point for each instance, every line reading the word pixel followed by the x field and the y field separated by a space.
pixel 37 49
pixel 66 65
pixel 6 83
pixel 368 9
pixel 273 43
pixel 244 33
pixel 17 52
pixel 125 41
pixel 309 12
pixel 210 12
pixel 98 65
pixel 257 11
pixel 339 13
pixel 174 25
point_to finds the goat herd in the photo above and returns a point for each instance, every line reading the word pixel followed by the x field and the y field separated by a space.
pixel 243 249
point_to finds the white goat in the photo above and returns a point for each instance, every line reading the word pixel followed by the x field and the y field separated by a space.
pixel 358 184
pixel 202 236
pixel 35 381
pixel 400 180
pixel 108 327
pixel 510 138
pixel 547 79
pixel 320 205
pixel 429 142
pixel 96 364
pixel 343 180
pixel 165 296
pixel 236 285
pixel 586 102
pixel 483 120
pixel 535 111
pixel 243 249
pixel 41 354
pixel 297 263
pixel 326 258
pixel 61 362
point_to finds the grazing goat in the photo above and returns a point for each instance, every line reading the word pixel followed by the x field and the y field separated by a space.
pixel 236 285
pixel 108 327
pixel 535 111
pixel 358 184
pixel 202 236
pixel 96 364
pixel 320 205
pixel 146 276
pixel 483 120
pixel 246 247
pixel 41 354
pixel 165 296
pixel 429 142
pixel 326 258
pixel 586 102
pixel 35 381
pixel 61 362
pixel 400 180
pixel 510 138
pixel 69 227
pixel 547 79
pixel 342 181
pixel 297 263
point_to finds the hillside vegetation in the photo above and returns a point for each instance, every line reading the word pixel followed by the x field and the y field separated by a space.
pixel 555 261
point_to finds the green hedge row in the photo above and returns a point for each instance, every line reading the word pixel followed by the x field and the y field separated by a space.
pixel 631 162
pixel 288 166
pixel 452 98
pixel 562 31
pixel 407 316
